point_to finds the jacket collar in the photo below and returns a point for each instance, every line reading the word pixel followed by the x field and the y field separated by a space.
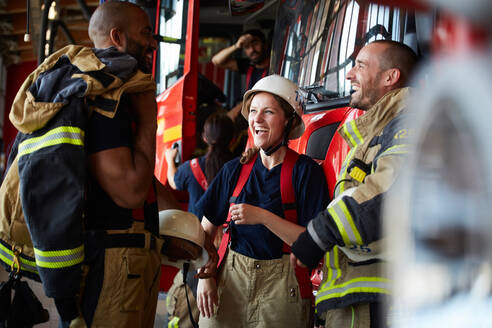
pixel 357 131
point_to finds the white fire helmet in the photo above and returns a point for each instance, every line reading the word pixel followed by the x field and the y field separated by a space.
pixel 186 226
pixel 285 89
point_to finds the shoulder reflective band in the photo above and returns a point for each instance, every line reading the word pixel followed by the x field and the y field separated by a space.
pixel 352 132
pixel 60 135
pixel 376 285
pixel 198 173
pixel 59 259
pixel 345 224
pixel 7 256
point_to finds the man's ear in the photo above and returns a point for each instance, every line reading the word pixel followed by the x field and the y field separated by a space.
pixel 392 76
pixel 117 38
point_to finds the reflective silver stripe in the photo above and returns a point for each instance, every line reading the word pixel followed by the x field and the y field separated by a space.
pixel 60 258
pixel 60 135
pixel 312 232
pixel 359 285
pixel 353 134
pixel 344 220
pixel 333 269
pixel 8 258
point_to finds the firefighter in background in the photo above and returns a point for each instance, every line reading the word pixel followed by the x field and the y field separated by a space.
pixel 255 66
pixel 194 176
pixel 349 229
pixel 266 199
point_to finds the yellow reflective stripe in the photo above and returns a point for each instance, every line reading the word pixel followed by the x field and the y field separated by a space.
pixel 357 133
pixel 173 133
pixel 60 258
pixel 339 224
pixel 358 285
pixel 334 271
pixel 343 172
pixel 347 133
pixel 63 134
pixel 173 323
pixel 7 256
pixel 346 212
pixel 353 134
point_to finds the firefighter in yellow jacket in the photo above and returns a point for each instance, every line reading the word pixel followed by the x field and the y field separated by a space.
pixel 349 230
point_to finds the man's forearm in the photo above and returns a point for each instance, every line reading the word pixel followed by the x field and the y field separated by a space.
pixel 222 57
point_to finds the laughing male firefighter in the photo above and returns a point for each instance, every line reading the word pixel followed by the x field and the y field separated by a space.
pixel 348 232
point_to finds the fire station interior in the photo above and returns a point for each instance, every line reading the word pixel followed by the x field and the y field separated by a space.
pixel 314 43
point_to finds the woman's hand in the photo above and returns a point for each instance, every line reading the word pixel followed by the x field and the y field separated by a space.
pixel 249 214
pixel 171 155
pixel 207 298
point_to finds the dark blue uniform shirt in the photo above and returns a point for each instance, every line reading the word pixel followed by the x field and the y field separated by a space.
pixel 185 180
pixel 263 190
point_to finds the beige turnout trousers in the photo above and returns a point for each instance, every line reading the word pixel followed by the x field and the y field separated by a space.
pixel 258 293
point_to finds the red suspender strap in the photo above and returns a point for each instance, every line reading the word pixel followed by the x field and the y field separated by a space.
pixel 249 73
pixel 290 213
pixel 198 173
pixel 241 181
pixel 248 76
pixel 265 71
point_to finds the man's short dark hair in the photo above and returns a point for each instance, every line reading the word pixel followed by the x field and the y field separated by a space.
pixel 398 55
pixel 257 33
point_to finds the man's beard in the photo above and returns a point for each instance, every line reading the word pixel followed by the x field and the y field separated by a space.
pixel 137 51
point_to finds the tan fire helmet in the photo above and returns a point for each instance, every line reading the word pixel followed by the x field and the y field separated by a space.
pixel 183 228
pixel 285 89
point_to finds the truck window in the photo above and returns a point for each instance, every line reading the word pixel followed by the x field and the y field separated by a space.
pixel 170 54
pixel 320 40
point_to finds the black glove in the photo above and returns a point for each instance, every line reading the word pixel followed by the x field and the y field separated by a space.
pixel 307 251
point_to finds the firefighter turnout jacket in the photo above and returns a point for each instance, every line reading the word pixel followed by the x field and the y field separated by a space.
pixel 43 192
pixel 350 228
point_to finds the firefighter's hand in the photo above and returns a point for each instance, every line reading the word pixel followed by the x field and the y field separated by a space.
pixel 171 155
pixel 209 270
pixel 294 261
pixel 207 298
pixel 248 214
pixel 243 40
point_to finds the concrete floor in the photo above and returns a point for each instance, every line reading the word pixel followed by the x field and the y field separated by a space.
pixel 160 320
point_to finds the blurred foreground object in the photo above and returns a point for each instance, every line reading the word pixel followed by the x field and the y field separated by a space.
pixel 437 216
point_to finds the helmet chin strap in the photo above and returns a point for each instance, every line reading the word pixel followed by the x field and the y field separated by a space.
pixel 285 140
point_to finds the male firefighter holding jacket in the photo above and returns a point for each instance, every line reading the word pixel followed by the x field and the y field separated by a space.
pixel 348 232
pixel 83 167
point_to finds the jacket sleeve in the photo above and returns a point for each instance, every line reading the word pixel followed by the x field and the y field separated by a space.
pixel 355 219
pixel 52 173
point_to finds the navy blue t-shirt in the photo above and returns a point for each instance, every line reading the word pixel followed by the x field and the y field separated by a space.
pixel 244 64
pixel 185 180
pixel 103 134
pixel 263 190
